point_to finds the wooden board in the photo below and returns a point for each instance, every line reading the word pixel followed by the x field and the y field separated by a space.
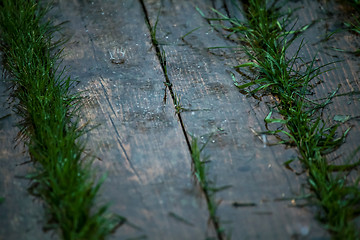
pixel 140 142
pixel 256 174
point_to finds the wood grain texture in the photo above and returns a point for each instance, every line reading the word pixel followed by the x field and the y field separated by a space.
pixel 256 174
pixel 140 142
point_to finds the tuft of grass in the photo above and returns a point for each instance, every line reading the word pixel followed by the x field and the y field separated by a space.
pixel 177 103
pixel 50 124
pixel 352 23
pixel 267 40
pixel 153 30
pixel 355 24
pixel 200 169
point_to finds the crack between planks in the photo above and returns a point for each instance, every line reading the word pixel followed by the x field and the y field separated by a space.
pixel 168 85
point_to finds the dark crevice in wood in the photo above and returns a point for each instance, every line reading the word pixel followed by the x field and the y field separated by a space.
pixel 226 7
pixel 168 84
pixel 162 61
pixel 213 4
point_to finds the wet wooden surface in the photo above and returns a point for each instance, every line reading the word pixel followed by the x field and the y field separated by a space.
pixel 140 143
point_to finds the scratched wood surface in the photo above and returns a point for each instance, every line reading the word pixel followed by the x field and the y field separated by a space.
pixel 140 143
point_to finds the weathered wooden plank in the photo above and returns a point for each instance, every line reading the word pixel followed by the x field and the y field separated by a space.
pixel 238 158
pixel 140 142
pixel 21 215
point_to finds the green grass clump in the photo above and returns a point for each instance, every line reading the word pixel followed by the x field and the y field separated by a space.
pixel 267 40
pixel 50 123
pixel 355 25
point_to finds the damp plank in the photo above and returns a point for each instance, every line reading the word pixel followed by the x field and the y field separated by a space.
pixel 217 113
pixel 139 143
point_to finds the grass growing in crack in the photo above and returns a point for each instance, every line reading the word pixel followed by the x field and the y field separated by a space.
pixel 153 30
pixel 50 123
pixel 160 52
pixel 267 42
pixel 177 103
pixel 201 174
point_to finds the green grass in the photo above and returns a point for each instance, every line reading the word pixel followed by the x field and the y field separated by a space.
pixel 352 22
pixel 50 123
pixel 177 103
pixel 355 24
pixel 267 39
